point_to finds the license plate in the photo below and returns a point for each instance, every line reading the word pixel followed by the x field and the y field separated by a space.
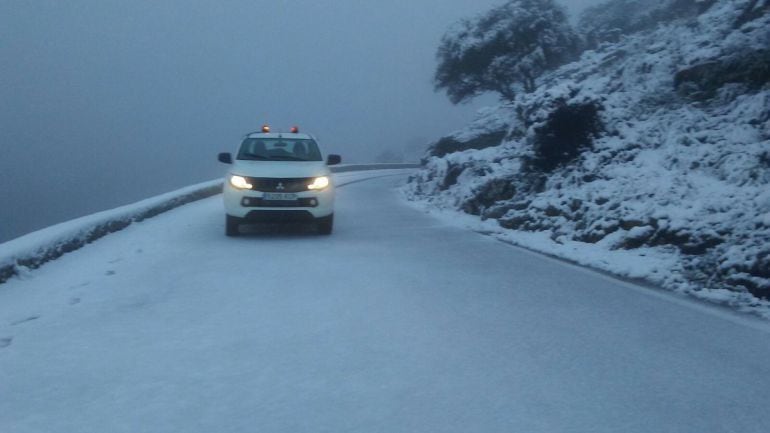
pixel 279 196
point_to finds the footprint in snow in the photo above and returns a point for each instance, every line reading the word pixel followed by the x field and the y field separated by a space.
pixel 5 342
pixel 109 273
pixel 74 301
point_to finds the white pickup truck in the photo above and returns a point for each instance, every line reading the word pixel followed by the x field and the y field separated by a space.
pixel 279 177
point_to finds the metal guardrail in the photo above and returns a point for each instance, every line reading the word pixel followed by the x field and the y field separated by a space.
pixel 362 167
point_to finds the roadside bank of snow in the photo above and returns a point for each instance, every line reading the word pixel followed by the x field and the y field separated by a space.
pixel 641 265
pixel 33 250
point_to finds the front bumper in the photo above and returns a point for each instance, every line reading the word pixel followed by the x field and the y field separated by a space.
pixel 279 216
pixel 252 205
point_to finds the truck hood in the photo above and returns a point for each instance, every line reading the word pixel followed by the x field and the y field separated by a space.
pixel 280 169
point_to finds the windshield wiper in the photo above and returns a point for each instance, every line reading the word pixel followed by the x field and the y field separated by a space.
pixel 254 156
pixel 288 158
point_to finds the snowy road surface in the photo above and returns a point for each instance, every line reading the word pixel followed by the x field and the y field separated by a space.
pixel 396 323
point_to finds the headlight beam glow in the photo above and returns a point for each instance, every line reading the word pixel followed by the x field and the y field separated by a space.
pixel 319 183
pixel 240 182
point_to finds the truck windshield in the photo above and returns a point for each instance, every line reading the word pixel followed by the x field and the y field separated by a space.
pixel 279 149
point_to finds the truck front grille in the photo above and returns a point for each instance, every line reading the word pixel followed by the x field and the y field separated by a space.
pixel 275 184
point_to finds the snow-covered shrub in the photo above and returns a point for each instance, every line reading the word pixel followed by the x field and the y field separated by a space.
pixel 488 194
pixel 569 130
pixel 451 144
pixel 703 81
pixel 609 21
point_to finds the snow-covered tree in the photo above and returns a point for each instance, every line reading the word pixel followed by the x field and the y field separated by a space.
pixel 504 50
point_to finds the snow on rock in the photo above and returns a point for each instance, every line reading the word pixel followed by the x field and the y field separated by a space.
pixel 676 173
pixel 488 130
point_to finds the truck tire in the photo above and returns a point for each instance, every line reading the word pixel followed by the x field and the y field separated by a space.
pixel 325 224
pixel 231 225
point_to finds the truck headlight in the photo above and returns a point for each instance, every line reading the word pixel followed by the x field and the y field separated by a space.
pixel 319 183
pixel 240 182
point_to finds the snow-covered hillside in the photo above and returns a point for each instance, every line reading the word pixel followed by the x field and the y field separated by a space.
pixel 666 170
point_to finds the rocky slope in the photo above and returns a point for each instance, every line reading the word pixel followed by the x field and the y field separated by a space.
pixel 658 144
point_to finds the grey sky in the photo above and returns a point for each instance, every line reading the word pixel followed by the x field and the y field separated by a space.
pixel 106 102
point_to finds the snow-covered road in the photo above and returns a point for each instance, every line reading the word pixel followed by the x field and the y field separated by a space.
pixel 398 322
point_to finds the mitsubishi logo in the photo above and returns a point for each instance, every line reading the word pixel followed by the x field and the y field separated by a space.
pixel 280 186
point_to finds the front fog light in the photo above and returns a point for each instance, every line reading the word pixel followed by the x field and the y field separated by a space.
pixel 240 182
pixel 319 183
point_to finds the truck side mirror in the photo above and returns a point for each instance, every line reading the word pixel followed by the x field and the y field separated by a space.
pixel 226 158
pixel 333 160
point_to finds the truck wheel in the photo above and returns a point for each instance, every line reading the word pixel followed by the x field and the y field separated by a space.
pixel 231 225
pixel 325 224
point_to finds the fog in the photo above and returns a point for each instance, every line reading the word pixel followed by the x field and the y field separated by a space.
pixel 106 102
